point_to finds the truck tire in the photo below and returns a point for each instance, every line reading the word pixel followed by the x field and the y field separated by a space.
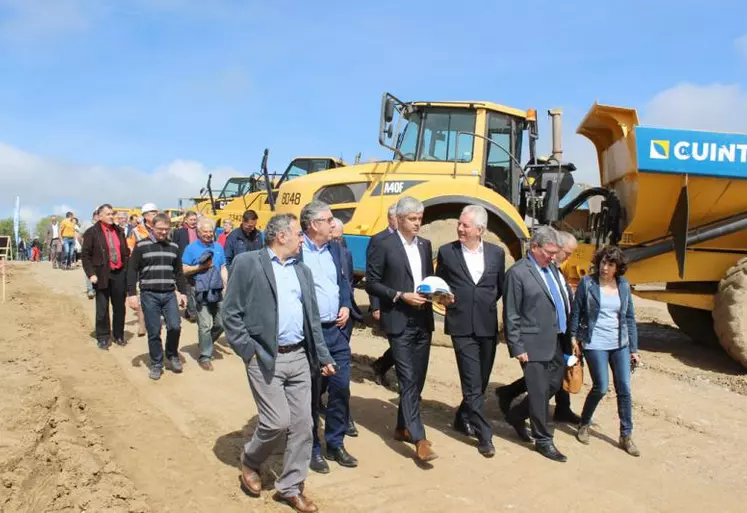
pixel 730 312
pixel 443 231
pixel 695 323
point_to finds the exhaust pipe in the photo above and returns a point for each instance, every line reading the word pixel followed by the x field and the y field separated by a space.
pixel 557 133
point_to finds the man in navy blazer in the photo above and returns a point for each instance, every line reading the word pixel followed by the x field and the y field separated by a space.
pixel 324 258
pixel 386 361
pixel 475 272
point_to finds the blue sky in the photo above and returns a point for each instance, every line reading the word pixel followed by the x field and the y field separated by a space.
pixel 120 95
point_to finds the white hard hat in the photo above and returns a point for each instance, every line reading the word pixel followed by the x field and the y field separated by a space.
pixel 149 207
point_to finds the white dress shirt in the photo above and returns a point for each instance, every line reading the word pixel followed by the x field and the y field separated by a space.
pixel 55 230
pixel 413 257
pixel 475 261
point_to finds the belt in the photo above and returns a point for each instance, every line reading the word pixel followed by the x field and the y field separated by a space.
pixel 329 324
pixel 290 348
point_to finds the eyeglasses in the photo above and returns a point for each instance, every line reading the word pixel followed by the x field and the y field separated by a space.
pixel 328 220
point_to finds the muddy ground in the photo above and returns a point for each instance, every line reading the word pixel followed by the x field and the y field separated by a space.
pixel 86 430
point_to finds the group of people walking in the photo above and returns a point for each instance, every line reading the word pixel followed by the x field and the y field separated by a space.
pixel 284 299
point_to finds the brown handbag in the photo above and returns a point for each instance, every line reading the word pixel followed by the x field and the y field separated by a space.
pixel 573 379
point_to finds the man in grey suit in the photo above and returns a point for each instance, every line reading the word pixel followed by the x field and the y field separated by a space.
pixel 53 241
pixel 535 321
pixel 282 344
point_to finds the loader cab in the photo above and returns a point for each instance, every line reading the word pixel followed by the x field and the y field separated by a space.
pixel 454 132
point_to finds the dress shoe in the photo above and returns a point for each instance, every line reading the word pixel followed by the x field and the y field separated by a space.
pixel 206 365
pixel 464 428
pixel 103 344
pixel 317 464
pixel 351 430
pixel 504 399
pixel 566 416
pixel 341 456
pixel 551 452
pixel 402 435
pixel 521 429
pixel 299 502
pixel 251 483
pixel 120 341
pixel 486 449
pixel 424 452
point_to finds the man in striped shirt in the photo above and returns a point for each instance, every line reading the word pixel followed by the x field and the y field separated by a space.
pixel 156 262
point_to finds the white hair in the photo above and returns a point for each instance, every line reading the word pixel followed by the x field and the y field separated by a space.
pixel 479 214
pixel 311 212
pixel 392 211
pixel 408 205
pixel 338 222
pixel 566 238
pixel 205 221
pixel 545 235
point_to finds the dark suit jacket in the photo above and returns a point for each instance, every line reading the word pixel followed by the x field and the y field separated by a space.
pixel 95 253
pixel 347 272
pixel 475 311
pixel 529 318
pixel 388 272
pixel 250 312
pixel 181 237
pixel 373 301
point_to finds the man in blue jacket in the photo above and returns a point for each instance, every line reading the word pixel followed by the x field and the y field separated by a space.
pixel 205 263
pixel 324 258
pixel 244 238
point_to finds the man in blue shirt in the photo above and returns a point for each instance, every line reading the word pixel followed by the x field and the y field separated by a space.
pixel 324 259
pixel 205 263
pixel 244 238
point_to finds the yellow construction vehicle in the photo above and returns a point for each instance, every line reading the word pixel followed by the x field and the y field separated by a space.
pixel 262 193
pixel 676 201
pixel 447 155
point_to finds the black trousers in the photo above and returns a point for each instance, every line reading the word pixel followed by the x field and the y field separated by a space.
pixel 113 292
pixel 518 387
pixel 411 350
pixel 543 380
pixel 475 357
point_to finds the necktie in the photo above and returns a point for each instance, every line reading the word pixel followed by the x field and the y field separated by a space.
pixel 112 248
pixel 557 299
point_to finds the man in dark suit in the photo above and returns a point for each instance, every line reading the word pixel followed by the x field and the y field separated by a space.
pixel 535 324
pixel 474 271
pixel 506 394
pixel 183 237
pixel 395 268
pixel 324 258
pixel 347 268
pixel 104 255
pixel 385 361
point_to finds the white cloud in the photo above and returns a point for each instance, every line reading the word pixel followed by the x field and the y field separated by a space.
pixel 714 107
pixel 48 186
pixel 32 20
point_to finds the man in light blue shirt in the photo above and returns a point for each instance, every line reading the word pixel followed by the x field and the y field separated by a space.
pixel 324 258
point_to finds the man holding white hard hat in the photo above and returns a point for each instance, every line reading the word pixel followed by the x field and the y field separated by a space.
pixel 474 270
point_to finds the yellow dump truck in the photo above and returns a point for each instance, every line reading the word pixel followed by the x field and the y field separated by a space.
pixel 676 201
pixel 448 155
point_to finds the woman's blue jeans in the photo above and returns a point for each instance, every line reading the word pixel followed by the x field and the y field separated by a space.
pixel 598 362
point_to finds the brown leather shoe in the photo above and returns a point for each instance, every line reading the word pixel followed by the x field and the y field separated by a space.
pixel 251 483
pixel 402 435
pixel 206 365
pixel 299 502
pixel 424 452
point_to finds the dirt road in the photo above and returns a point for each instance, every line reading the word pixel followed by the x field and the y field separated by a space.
pixel 86 430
